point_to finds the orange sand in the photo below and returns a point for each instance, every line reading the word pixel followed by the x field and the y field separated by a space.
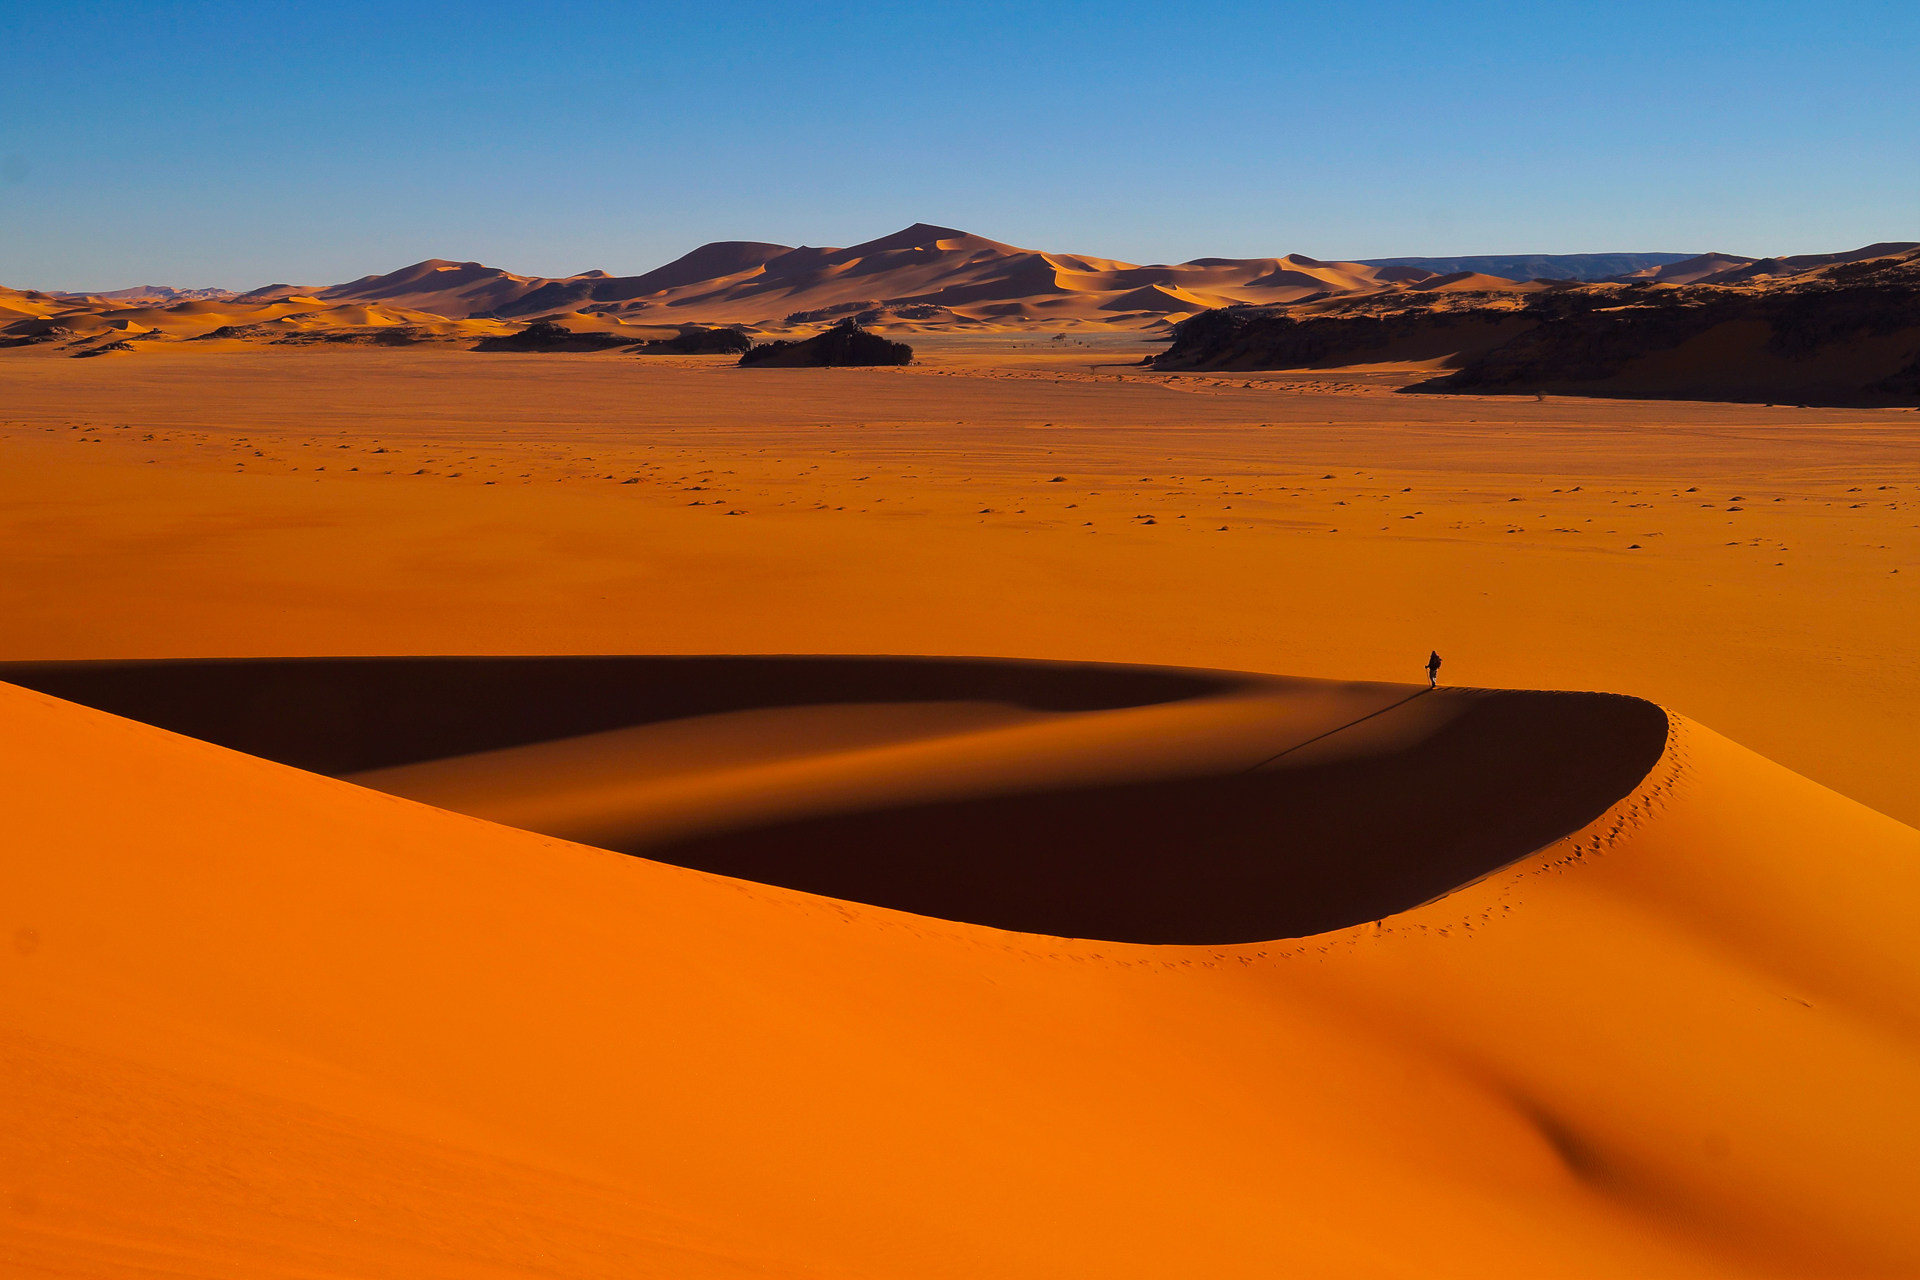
pixel 261 1022
pixel 264 1023
pixel 912 511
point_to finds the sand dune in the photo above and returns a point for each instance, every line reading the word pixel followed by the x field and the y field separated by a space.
pixel 1015 786
pixel 938 277
pixel 1806 264
pixel 447 288
pixel 264 1022
pixel 743 967
pixel 1471 282
pixel 148 293
pixel 293 319
pixel 1690 270
pixel 191 500
pixel 18 304
pixel 920 276
pixel 73 326
pixel 470 968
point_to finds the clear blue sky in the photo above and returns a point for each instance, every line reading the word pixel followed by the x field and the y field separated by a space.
pixel 238 144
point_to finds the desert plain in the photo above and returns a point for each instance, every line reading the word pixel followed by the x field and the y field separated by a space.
pixel 1753 567
pixel 414 1014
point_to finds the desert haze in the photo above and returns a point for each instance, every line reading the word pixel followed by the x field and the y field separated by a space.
pixel 518 776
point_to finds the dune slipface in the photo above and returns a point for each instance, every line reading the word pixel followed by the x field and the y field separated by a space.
pixel 1369 980
pixel 1133 804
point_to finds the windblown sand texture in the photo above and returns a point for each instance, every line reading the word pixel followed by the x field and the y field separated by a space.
pixel 1121 964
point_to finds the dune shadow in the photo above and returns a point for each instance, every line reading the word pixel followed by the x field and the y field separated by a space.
pixel 1279 846
pixel 349 715
pixel 1247 857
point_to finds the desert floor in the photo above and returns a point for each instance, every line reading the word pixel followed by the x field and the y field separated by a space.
pixel 1754 568
pixel 947 969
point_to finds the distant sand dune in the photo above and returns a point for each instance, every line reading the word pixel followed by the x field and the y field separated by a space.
pixel 290 319
pixel 973 279
pixel 919 278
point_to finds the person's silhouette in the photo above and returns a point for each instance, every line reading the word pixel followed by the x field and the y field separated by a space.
pixel 1433 670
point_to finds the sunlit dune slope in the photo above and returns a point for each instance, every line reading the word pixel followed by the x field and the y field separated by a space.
pixel 920 276
pixel 289 320
pixel 926 278
pixel 263 1022
pixel 152 294
pixel 26 304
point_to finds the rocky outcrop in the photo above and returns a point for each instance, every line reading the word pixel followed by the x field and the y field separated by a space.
pixel 871 312
pixel 1848 336
pixel 385 336
pixel 699 342
pixel 1239 338
pixel 692 340
pixel 1846 333
pixel 844 344
pixel 34 336
pixel 544 335
pixel 235 331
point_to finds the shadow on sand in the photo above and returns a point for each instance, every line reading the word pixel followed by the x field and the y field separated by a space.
pixel 1274 845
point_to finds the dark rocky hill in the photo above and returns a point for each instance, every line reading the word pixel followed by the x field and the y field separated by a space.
pixel 544 335
pixel 844 344
pixel 694 341
pixel 547 335
pixel 1845 333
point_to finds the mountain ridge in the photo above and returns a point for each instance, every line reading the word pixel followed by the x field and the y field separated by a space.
pixel 928 276
pixel 924 275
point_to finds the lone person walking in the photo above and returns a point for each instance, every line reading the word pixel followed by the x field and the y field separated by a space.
pixel 1433 670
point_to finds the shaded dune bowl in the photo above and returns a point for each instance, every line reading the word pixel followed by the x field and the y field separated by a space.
pixel 1119 803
